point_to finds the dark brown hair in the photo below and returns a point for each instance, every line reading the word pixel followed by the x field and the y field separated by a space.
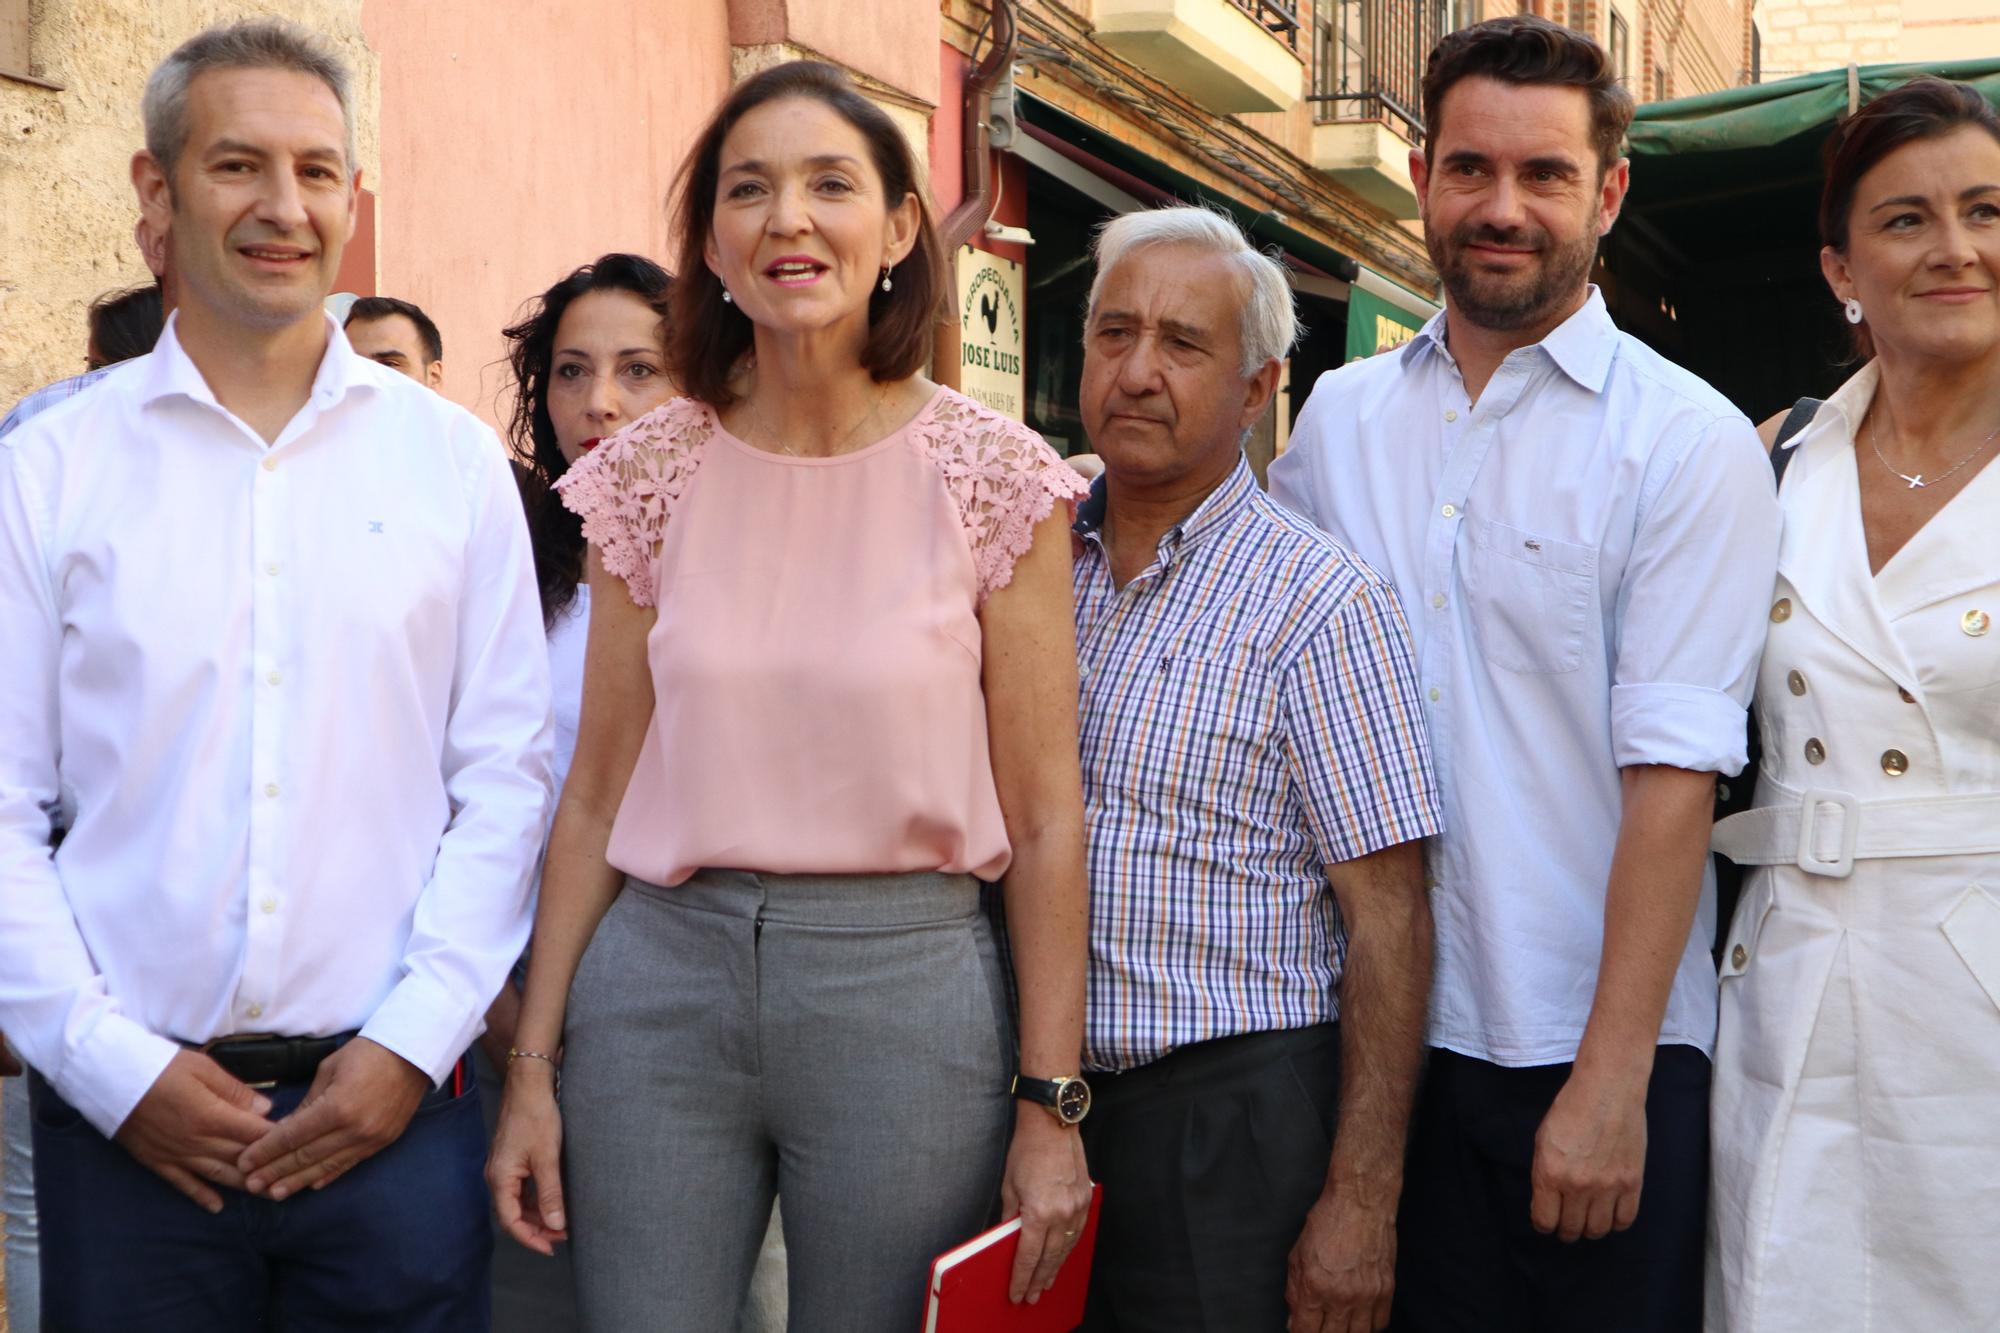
pixel 125 323
pixel 1924 108
pixel 553 531
pixel 1523 49
pixel 706 335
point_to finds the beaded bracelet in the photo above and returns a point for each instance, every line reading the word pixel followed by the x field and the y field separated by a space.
pixel 514 1054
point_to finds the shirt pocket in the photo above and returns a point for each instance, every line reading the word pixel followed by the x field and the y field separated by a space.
pixel 1530 597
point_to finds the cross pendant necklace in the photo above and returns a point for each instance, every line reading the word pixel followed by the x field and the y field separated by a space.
pixel 1917 482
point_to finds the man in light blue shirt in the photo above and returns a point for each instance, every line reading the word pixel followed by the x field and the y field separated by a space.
pixel 1584 538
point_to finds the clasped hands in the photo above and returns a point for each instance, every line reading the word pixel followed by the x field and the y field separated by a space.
pixel 201 1130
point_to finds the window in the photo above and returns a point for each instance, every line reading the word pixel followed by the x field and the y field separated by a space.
pixel 1621 48
pixel 1659 83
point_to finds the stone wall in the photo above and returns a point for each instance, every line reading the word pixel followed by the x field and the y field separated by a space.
pixel 66 202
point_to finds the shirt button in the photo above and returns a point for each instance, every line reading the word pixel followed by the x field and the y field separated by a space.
pixel 1905 695
pixel 1895 763
pixel 270 465
pixel 1975 623
pixel 1781 609
pixel 1739 956
pixel 255 1011
pixel 273 679
pixel 271 789
pixel 268 906
pixel 1450 414
pixel 1436 694
pixel 1449 511
pixel 1797 681
pixel 1437 601
pixel 272 570
pixel 1815 752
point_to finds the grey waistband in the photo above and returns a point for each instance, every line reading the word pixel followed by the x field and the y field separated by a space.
pixel 822 900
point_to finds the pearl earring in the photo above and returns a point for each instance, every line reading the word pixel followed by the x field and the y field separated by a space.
pixel 1853 311
pixel 727 299
pixel 886 284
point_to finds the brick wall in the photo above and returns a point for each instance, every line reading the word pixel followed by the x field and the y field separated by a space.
pixel 1805 36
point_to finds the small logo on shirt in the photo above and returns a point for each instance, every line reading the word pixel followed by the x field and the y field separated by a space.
pixel 375 525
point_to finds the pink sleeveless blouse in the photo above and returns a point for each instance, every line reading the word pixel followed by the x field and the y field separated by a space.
pixel 816 660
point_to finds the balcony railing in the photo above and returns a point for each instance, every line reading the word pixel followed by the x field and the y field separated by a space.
pixel 1368 60
pixel 1278 19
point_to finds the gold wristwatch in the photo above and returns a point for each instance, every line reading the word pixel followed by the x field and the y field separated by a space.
pixel 1067 1098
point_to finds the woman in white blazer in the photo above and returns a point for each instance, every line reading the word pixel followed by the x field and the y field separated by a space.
pixel 1857 1080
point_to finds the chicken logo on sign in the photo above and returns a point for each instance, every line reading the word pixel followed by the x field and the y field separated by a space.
pixel 990 338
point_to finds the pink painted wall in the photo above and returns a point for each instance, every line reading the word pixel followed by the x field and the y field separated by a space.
pixel 514 150
pixel 894 41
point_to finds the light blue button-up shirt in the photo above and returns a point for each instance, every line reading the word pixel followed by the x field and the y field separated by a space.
pixel 1585 557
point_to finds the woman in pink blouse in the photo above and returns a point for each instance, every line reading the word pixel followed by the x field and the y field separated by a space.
pixel 839 596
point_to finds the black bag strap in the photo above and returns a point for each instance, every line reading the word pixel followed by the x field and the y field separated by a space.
pixel 1796 420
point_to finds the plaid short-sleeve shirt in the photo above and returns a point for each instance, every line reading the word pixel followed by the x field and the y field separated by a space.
pixel 1249 717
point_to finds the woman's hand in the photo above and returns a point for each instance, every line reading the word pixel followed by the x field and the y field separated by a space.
pixel 1048 1184
pixel 525 1171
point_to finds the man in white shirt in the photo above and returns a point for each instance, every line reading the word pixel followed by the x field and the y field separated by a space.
pixel 1584 538
pixel 282 673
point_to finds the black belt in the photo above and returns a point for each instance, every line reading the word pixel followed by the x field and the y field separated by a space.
pixel 264 1061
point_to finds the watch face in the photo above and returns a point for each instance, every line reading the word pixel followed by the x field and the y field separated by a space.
pixel 1073 1100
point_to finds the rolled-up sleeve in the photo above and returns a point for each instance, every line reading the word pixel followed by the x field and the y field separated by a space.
pixel 1694 605
pixel 1355 735
pixel 472 919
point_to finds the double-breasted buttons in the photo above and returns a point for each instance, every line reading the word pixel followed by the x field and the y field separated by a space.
pixel 1782 609
pixel 1739 956
pixel 1797 680
pixel 1895 763
pixel 1975 622
pixel 1815 751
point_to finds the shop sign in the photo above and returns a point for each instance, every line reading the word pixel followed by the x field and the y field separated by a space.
pixel 1373 325
pixel 991 292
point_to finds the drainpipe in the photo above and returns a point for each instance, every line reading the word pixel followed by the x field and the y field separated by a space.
pixel 969 218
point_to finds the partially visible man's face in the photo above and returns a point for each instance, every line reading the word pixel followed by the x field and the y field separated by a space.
pixel 394 341
pixel 1514 200
pixel 1164 396
pixel 262 201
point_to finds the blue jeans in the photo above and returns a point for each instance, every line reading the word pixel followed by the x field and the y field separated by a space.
pixel 400 1242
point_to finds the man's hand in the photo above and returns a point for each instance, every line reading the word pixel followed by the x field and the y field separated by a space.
pixel 1590 1159
pixel 359 1103
pixel 192 1126
pixel 1342 1273
pixel 1048 1184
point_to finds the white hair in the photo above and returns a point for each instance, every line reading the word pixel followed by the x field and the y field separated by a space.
pixel 1268 322
pixel 251 44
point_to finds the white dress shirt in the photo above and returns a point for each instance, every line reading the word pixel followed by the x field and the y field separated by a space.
pixel 567 639
pixel 1586 559
pixel 292 704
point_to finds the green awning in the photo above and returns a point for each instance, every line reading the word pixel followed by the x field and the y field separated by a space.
pixel 1766 114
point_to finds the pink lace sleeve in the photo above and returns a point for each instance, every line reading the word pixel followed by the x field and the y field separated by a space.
pixel 626 489
pixel 1004 477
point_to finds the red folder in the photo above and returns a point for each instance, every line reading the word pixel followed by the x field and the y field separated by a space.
pixel 969 1285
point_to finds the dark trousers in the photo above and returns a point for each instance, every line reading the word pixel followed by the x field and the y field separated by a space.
pixel 400 1242
pixel 1470 1259
pixel 1210 1158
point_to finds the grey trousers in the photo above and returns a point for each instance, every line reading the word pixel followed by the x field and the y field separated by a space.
pixel 841 1040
